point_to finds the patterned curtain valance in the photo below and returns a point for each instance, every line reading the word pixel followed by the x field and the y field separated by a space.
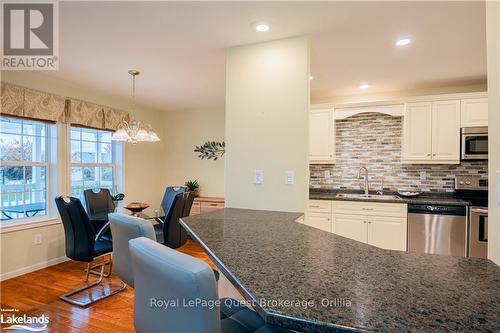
pixel 113 118
pixel 12 100
pixel 27 103
pixel 85 114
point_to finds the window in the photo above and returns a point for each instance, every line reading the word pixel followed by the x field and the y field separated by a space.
pixel 95 161
pixel 25 167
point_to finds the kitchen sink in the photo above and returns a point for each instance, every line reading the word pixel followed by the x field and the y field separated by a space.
pixel 368 196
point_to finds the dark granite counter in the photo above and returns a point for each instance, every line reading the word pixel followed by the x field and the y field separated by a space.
pixel 350 286
pixel 423 199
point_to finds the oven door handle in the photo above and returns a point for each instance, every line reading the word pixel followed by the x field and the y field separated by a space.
pixel 479 211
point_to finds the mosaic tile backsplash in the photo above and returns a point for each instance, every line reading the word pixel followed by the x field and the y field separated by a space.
pixel 374 140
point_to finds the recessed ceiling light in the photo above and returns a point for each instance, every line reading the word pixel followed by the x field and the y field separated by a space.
pixel 262 27
pixel 403 41
pixel 364 86
pixel 311 77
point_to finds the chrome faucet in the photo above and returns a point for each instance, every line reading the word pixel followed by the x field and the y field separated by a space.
pixel 367 187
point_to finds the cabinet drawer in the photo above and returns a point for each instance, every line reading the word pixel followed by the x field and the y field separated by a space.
pixel 369 208
pixel 319 206
pixel 321 221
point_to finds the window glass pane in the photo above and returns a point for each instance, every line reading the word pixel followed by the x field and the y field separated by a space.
pixel 76 154
pixel 106 179
pixel 76 133
pixel 10 147
pixel 12 178
pixel 77 182
pixel 10 125
pixel 89 134
pixel 89 152
pixel 106 154
pixel 12 205
pixel 35 178
pixel 34 203
pixel 90 177
pixel 105 136
pixel 34 149
pixel 33 128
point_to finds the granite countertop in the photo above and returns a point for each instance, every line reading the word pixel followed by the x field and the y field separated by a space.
pixel 351 286
pixel 428 198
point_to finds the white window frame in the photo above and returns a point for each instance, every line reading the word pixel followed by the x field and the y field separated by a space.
pixel 116 161
pixel 29 222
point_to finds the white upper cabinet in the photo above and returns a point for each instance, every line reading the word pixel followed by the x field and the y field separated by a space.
pixel 321 136
pixel 474 112
pixel 431 133
pixel 446 131
pixel 417 132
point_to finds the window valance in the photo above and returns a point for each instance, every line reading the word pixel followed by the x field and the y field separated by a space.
pixel 27 103
pixel 33 104
pixel 114 117
pixel 85 114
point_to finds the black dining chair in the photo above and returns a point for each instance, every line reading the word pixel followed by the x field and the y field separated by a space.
pixel 85 245
pixel 99 205
pixel 168 200
pixel 170 232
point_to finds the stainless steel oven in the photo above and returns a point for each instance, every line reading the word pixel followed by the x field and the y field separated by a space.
pixel 478 239
pixel 475 143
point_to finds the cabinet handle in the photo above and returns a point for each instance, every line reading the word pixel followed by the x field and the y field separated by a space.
pixel 428 154
pixel 433 154
pixel 369 222
pixel 367 208
pixel 314 206
pixel 213 204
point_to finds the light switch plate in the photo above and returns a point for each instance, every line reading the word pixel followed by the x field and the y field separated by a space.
pixel 258 177
pixel 289 177
pixel 423 175
pixel 327 174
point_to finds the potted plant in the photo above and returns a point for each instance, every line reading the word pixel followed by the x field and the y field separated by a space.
pixel 193 186
pixel 117 198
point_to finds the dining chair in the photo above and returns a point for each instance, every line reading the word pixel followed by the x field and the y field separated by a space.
pixel 99 204
pixel 83 244
pixel 170 232
pixel 168 200
pixel 162 274
pixel 124 228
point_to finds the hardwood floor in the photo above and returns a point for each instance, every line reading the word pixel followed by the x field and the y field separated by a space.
pixel 38 293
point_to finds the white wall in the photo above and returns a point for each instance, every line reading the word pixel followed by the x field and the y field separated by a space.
pixel 143 174
pixel 186 129
pixel 267 99
pixel 493 45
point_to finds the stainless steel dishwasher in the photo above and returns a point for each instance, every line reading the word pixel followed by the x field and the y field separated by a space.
pixel 437 229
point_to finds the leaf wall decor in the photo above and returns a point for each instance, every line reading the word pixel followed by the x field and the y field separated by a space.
pixel 211 150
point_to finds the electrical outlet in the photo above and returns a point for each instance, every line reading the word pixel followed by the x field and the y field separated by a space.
pixel 327 174
pixel 289 177
pixel 258 177
pixel 423 175
pixel 37 240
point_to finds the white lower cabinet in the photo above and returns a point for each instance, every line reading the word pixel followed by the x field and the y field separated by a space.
pixel 350 226
pixel 379 224
pixel 387 232
pixel 321 221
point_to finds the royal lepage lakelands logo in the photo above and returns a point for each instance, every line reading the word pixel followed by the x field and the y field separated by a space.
pixel 11 320
pixel 30 35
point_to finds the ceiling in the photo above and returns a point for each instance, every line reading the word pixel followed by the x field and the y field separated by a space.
pixel 179 46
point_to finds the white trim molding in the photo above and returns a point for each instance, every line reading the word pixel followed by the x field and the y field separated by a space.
pixel 32 268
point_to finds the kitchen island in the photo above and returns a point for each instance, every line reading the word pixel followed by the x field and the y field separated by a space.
pixel 314 281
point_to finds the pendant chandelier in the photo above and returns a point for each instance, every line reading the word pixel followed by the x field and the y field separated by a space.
pixel 135 131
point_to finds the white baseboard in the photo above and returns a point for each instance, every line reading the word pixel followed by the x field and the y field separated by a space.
pixel 32 268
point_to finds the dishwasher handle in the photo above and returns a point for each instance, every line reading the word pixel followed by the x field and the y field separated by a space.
pixel 437 210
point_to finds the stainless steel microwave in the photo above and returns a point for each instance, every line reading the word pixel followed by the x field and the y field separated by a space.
pixel 475 143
